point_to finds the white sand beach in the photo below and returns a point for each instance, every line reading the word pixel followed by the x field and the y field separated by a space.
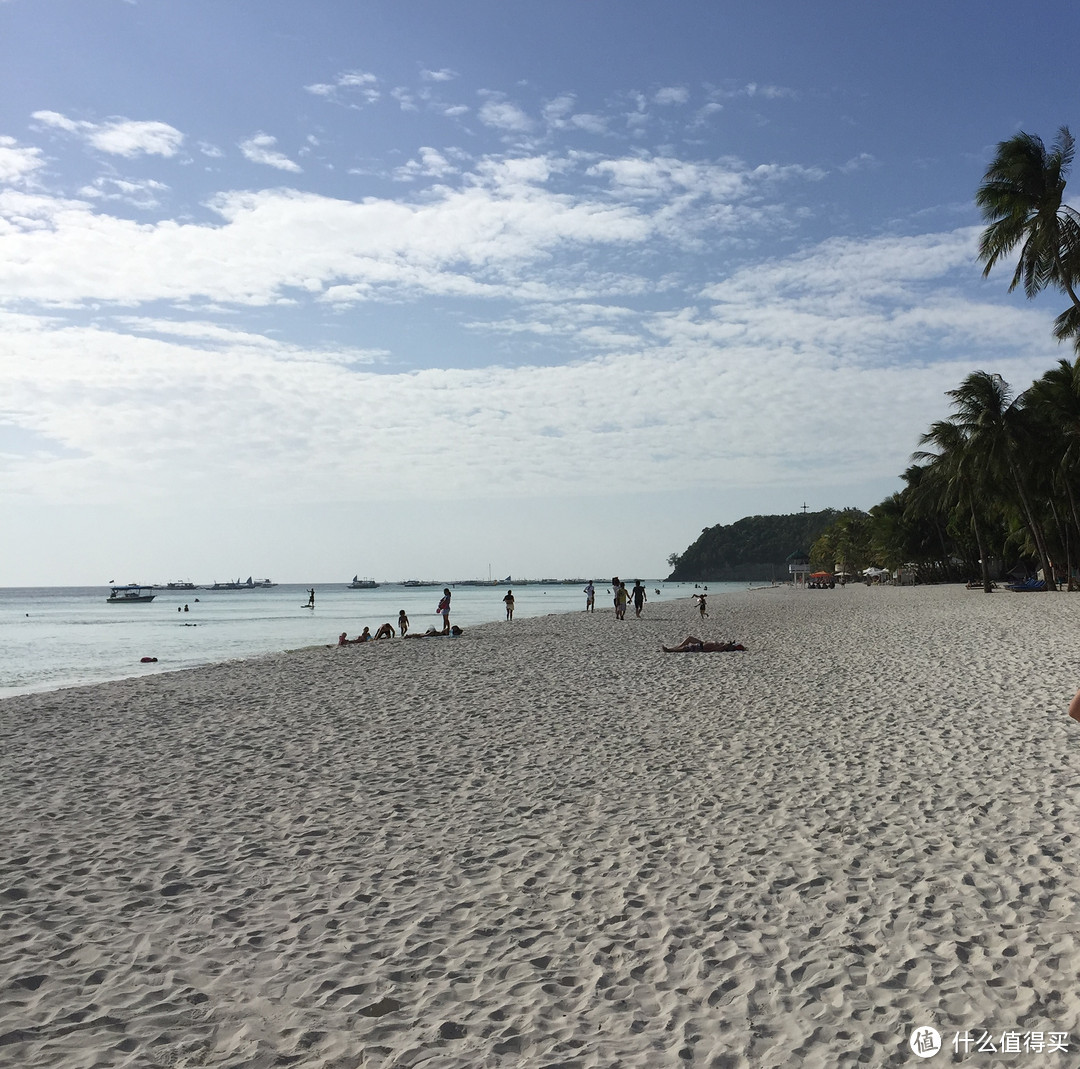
pixel 547 843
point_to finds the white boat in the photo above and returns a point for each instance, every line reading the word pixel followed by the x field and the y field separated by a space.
pixel 130 594
pixel 362 584
pixel 251 584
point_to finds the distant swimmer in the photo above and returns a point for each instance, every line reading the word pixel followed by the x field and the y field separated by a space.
pixel 690 644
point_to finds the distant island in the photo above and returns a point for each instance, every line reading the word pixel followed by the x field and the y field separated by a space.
pixel 753 548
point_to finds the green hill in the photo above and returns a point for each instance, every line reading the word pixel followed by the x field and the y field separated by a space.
pixel 753 548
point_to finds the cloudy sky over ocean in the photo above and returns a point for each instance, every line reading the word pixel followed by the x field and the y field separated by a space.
pixel 418 289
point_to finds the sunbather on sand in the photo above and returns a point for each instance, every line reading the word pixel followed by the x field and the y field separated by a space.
pixel 690 644
pixel 431 632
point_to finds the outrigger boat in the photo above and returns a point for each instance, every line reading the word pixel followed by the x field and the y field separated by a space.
pixel 126 595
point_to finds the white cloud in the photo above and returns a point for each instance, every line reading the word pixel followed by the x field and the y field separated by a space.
pixel 504 115
pixel 18 163
pixel 489 236
pixel 349 86
pixel 443 75
pixel 119 137
pixel 405 99
pixel 431 164
pixel 862 162
pixel 671 95
pixel 260 149
pixel 140 194
pixel 769 92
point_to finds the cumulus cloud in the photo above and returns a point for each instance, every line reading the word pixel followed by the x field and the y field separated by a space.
pixel 119 137
pixel 673 94
pixel 260 149
pixel 504 115
pixel 18 163
pixel 489 235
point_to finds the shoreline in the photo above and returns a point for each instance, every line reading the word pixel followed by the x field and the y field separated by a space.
pixel 548 842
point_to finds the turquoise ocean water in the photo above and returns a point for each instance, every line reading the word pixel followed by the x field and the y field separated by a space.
pixel 54 637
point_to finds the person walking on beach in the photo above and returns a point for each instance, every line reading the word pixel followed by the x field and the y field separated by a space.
pixel 444 609
pixel 403 623
pixel 508 601
pixel 590 597
pixel 622 596
pixel 638 594
pixel 701 604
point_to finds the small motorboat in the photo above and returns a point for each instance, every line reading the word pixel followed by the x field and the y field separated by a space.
pixel 127 595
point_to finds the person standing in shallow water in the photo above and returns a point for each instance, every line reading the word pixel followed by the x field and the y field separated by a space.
pixel 508 601
pixel 444 609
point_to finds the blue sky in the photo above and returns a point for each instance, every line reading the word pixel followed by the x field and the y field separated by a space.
pixel 418 288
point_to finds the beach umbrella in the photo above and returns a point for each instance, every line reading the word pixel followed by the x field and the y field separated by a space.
pixel 821 575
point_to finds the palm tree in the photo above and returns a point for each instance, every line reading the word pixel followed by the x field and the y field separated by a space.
pixel 1055 400
pixel 958 480
pixel 1021 198
pixel 992 422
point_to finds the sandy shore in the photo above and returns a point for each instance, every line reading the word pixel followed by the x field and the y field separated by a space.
pixel 548 844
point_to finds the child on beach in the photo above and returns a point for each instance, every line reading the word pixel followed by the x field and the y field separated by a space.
pixel 403 623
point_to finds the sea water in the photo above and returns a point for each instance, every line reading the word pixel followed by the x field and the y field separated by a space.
pixel 54 637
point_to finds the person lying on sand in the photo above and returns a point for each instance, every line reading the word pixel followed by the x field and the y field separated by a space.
pixel 344 640
pixel 690 644
pixel 1074 706
pixel 431 632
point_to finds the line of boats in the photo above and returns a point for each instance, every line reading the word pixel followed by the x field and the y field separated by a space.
pixel 131 593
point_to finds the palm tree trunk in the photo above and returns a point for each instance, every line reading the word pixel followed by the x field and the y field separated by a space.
pixel 1034 528
pixel 984 564
pixel 1076 518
